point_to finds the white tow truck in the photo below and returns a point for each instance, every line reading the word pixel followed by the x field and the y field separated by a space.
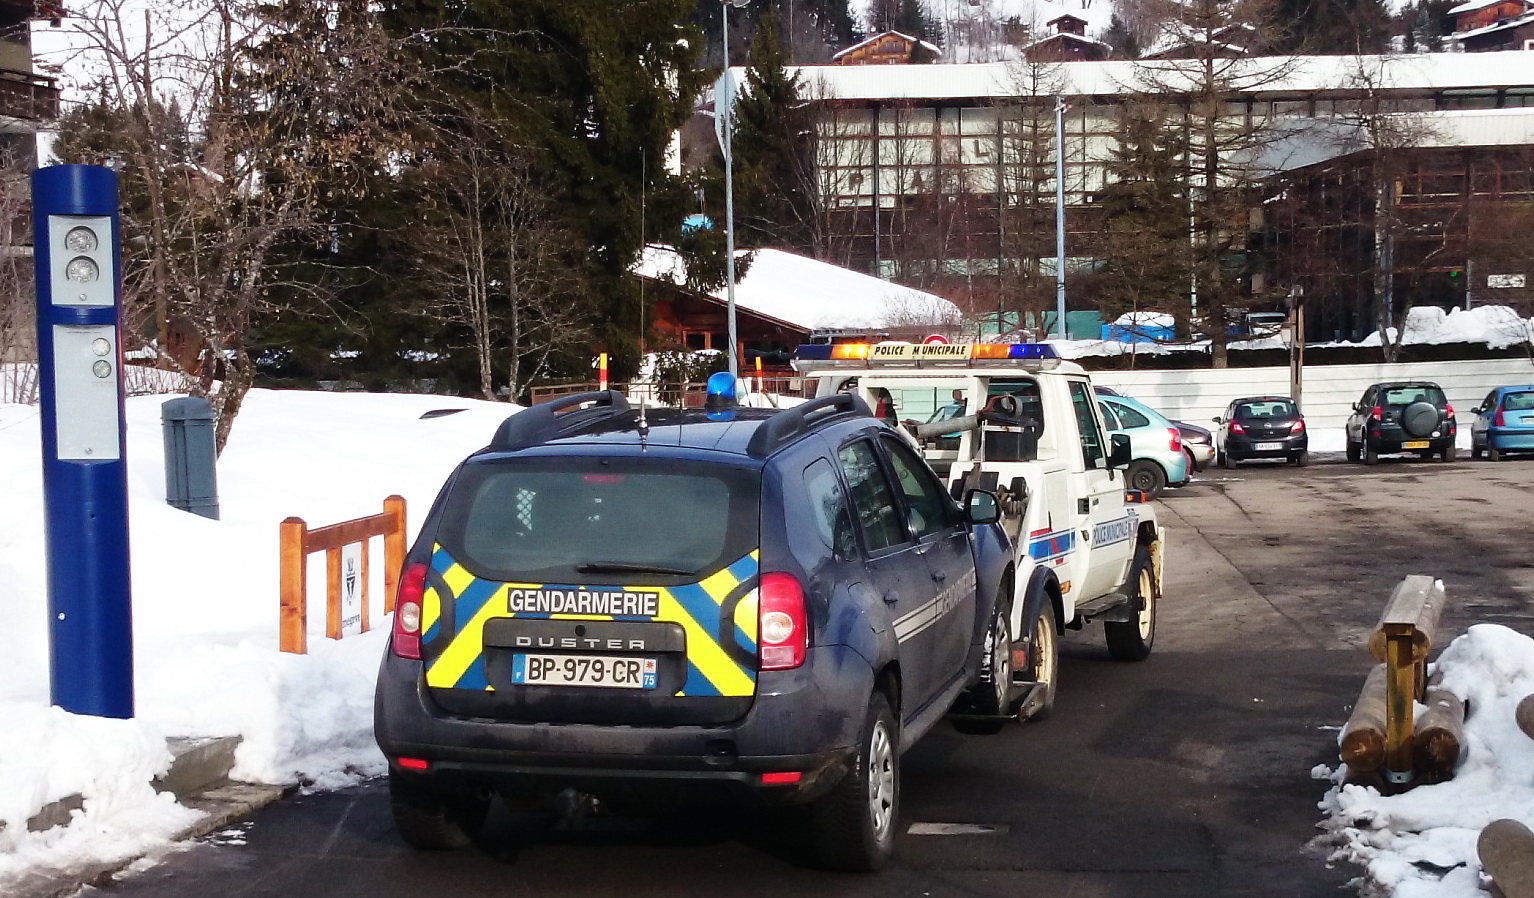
pixel 1019 421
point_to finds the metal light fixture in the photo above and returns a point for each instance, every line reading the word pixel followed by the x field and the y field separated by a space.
pixel 729 182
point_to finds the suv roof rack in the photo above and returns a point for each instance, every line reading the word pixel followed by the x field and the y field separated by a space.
pixel 561 416
pixel 801 419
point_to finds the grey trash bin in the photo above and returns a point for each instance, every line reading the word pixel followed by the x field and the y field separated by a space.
pixel 191 480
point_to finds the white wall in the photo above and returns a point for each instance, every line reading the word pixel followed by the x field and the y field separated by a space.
pixel 1329 391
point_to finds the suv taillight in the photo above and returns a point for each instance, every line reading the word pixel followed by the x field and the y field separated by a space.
pixel 1176 438
pixel 1448 410
pixel 783 636
pixel 1376 414
pixel 1297 426
pixel 406 638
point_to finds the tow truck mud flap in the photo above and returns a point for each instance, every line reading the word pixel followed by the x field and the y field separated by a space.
pixel 716 619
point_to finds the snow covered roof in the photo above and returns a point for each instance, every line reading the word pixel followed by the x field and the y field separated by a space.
pixel 1494 26
pixel 1267 75
pixel 1069 36
pixel 1473 5
pixel 936 50
pixel 811 294
pixel 1321 140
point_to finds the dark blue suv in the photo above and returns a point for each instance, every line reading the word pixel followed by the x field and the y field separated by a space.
pixel 655 606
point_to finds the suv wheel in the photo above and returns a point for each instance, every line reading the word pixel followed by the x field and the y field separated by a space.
pixel 1353 452
pixel 1147 477
pixel 1131 640
pixel 854 824
pixel 1371 455
pixel 1420 419
pixel 1043 665
pixel 432 820
pixel 992 696
pixel 1449 453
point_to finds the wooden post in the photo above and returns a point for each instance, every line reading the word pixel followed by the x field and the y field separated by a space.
pixel 394 549
pixel 1439 733
pixel 292 625
pixel 1363 737
pixel 333 592
pixel 1403 639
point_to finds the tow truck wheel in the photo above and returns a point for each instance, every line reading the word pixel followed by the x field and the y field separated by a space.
pixel 431 819
pixel 853 825
pixel 1131 640
pixel 1043 665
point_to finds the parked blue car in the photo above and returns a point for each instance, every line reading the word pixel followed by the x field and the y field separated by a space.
pixel 1504 422
pixel 1155 442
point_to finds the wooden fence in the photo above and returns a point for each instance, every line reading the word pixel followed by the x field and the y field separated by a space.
pixel 297 542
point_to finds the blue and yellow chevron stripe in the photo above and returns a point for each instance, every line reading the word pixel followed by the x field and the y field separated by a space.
pixel 721 640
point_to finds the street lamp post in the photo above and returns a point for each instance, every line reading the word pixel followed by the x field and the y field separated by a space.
pixel 1060 107
pixel 729 181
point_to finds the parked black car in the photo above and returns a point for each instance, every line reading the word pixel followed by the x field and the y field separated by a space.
pixel 652 607
pixel 1401 416
pixel 1261 427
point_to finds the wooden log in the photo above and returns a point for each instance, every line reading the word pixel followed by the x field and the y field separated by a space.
pixel 1362 745
pixel 1414 609
pixel 1506 848
pixel 1438 733
pixel 1525 716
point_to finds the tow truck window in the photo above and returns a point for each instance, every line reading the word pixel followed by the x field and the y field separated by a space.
pixel 930 509
pixel 1092 454
pixel 1030 402
pixel 872 499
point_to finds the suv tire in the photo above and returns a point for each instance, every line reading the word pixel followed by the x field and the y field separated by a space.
pixel 1449 453
pixel 1132 640
pixel 1420 419
pixel 1353 452
pixel 1146 476
pixel 1371 455
pixel 853 825
pixel 992 696
pixel 432 820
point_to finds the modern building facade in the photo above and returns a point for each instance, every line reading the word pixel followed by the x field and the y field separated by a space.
pixel 940 176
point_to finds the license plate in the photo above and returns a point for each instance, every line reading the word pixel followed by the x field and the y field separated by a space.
pixel 1416 444
pixel 1269 447
pixel 607 671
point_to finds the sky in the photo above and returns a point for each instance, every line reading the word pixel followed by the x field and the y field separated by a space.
pixel 206 659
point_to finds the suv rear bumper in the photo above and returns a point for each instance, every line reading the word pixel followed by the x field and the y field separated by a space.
pixel 801 724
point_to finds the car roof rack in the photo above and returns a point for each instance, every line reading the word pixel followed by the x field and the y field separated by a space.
pixel 548 420
pixel 797 420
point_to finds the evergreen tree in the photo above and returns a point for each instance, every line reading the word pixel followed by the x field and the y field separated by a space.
pixel 772 151
pixel 910 17
pixel 1333 27
pixel 596 90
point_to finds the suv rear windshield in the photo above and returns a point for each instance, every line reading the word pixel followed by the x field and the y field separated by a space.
pixel 1266 408
pixel 1406 394
pixel 603 521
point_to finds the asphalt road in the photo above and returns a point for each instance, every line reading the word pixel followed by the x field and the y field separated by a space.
pixel 1186 775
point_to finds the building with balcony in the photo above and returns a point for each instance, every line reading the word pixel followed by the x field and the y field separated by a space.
pixel 942 176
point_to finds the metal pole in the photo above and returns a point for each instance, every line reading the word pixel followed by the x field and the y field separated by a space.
pixel 729 197
pixel 1060 218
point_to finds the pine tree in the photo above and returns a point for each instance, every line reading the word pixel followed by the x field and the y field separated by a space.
pixel 772 150
pixel 596 90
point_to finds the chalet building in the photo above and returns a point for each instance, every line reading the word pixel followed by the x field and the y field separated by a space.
pixel 889 48
pixel 1482 25
pixel 941 176
pixel 1068 43
pixel 1229 42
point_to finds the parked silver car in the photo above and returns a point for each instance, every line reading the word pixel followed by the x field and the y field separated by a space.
pixel 1156 444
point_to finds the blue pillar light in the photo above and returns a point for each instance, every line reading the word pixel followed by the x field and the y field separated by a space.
pixel 85 485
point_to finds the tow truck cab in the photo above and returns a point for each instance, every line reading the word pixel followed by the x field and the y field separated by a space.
pixel 1038 441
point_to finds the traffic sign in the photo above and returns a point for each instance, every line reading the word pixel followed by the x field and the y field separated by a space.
pixel 935 338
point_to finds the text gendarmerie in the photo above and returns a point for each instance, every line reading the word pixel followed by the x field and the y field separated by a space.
pixel 554 600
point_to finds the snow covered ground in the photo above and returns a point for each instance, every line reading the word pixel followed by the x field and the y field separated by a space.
pixel 205 622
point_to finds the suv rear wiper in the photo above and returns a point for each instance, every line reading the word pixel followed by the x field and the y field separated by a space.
pixel 628 567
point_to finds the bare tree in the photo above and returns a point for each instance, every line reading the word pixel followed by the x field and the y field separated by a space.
pixel 1028 213
pixel 500 263
pixel 18 339
pixel 287 106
